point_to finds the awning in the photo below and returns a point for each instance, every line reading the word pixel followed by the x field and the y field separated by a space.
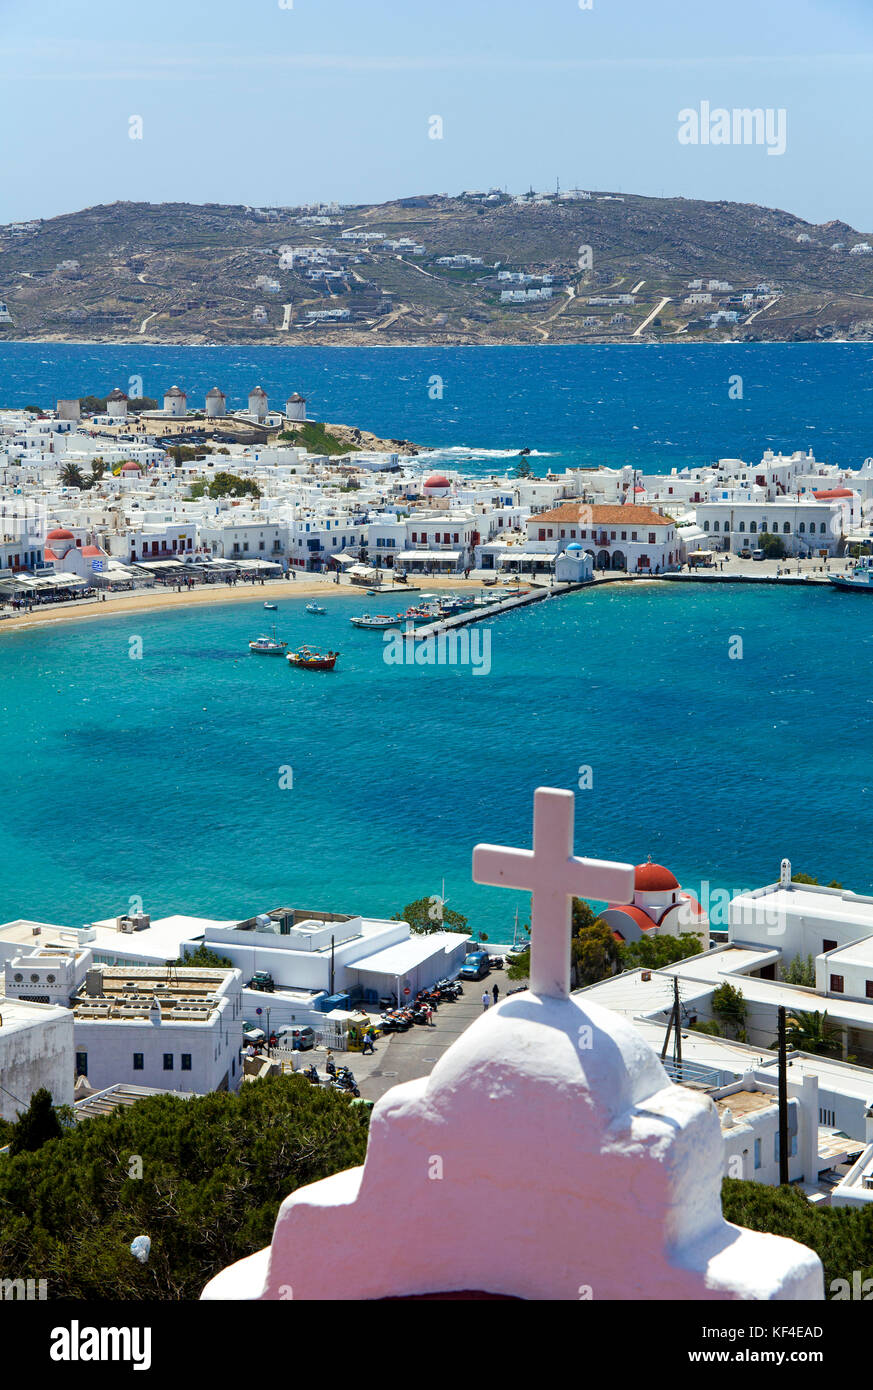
pixel 529 556
pixel 407 556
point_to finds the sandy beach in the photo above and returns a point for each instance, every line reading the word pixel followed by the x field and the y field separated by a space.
pixel 154 601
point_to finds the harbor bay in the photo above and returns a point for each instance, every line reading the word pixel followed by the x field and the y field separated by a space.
pixel 162 777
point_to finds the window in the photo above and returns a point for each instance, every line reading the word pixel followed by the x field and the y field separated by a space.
pixel 168 1061
pixel 742 526
pixel 706 525
pixel 786 528
pixel 633 535
pixel 802 526
pixel 763 526
pixel 624 535
pixel 836 984
pixel 868 989
pixel 753 526
pixel 757 1153
pixel 138 1061
pixel 81 1064
pixel 612 535
pixel 716 526
pixel 727 526
pixel 186 1061
pixel 822 529
pixel 827 945
pixel 582 535
pixel 652 538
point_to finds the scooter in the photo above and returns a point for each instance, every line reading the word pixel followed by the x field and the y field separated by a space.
pixel 311 1073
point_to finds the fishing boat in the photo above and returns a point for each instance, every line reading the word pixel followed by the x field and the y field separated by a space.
pixel 310 660
pixel 859 578
pixel 268 646
pixel 379 620
pixel 271 606
pixel 315 608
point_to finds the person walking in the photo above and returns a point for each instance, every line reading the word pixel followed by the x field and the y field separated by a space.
pixel 486 1000
pixel 495 991
pixel 368 1043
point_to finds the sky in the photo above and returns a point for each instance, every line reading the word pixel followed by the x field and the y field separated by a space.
pixel 282 102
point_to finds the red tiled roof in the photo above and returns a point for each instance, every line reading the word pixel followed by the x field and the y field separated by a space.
pixel 653 878
pixel 585 514
pixel 636 914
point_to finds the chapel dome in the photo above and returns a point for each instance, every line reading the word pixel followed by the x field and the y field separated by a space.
pixel 437 480
pixel 60 535
pixel 653 878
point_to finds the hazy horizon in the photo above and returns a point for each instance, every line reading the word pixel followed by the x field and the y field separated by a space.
pixel 284 102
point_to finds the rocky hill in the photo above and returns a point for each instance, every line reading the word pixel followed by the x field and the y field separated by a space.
pixel 192 274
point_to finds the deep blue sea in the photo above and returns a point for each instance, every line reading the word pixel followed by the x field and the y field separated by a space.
pixel 160 777
pixel 654 407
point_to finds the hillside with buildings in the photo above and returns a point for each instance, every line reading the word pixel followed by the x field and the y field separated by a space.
pixel 482 267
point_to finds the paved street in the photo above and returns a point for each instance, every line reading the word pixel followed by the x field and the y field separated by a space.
pixel 404 1056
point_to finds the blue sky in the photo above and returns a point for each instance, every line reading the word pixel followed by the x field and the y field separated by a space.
pixel 243 101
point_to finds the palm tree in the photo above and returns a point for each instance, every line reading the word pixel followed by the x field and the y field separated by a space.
pixel 811 1032
pixel 72 476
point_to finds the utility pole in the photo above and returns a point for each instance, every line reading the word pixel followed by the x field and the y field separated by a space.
pixel 674 1023
pixel 783 1101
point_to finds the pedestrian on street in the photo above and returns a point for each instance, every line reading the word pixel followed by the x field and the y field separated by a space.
pixel 485 999
pixel 495 991
pixel 429 1012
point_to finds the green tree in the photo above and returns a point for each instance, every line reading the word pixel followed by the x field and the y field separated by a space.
pixel 842 1237
pixel 229 485
pixel 654 952
pixel 594 954
pixel 214 1170
pixel 36 1125
pixel 807 878
pixel 205 957
pixel 772 545
pixel 800 971
pixel 729 1007
pixel 92 405
pixel 811 1032
pixel 523 468
pixel 72 476
pixel 428 915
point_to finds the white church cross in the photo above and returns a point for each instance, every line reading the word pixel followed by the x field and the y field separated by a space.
pixel 553 875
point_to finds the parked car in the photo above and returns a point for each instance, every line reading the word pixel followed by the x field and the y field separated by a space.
pixel 295 1037
pixel 745 554
pixel 757 555
pixel 475 966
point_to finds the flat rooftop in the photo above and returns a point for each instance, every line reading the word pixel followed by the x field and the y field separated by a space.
pixel 745 1102
pixel 187 994
pixel 19 1013
pixel 806 900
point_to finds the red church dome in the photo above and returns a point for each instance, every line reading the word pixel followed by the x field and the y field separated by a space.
pixel 437 480
pixel 60 535
pixel 653 878
pixel 131 467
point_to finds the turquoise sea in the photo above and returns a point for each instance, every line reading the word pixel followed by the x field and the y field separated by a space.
pixel 159 777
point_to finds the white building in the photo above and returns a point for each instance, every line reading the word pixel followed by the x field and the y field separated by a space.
pixel 116 404
pixel 36 1050
pixel 628 537
pixel 177 1028
pixel 216 404
pixel 175 403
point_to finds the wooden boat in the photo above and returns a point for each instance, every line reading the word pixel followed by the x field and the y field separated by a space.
pixel 310 660
pixel 272 606
pixel 315 608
